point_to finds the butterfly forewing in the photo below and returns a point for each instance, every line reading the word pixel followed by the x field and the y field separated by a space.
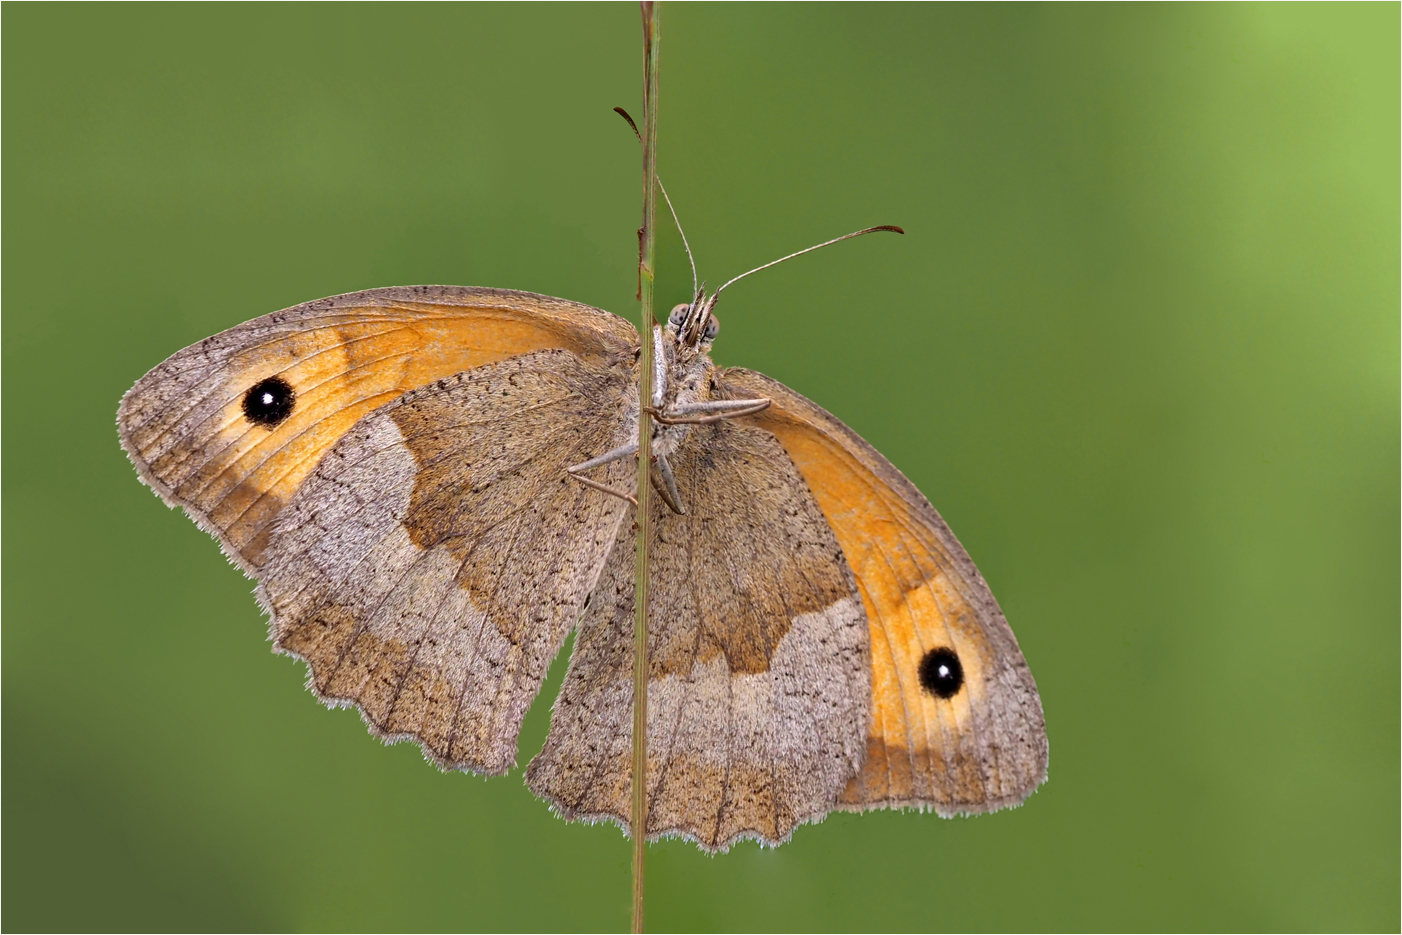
pixel 433 563
pixel 425 553
pixel 194 428
pixel 956 721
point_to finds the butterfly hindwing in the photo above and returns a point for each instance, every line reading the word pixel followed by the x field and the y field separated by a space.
pixel 759 687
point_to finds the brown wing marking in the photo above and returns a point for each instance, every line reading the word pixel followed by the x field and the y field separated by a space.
pixel 985 747
pixel 183 426
pixel 432 563
pixel 759 688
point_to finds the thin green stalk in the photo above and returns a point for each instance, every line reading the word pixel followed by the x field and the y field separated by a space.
pixel 651 43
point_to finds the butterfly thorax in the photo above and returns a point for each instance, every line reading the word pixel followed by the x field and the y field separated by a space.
pixel 681 379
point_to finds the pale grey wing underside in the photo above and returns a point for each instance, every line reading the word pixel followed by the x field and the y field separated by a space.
pixel 758 700
pixel 432 564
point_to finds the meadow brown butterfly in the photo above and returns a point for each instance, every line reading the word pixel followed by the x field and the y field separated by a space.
pixel 430 485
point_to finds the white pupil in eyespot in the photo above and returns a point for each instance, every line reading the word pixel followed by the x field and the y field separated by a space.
pixel 944 672
pixel 267 399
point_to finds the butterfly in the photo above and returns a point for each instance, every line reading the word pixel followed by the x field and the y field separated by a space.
pixel 431 485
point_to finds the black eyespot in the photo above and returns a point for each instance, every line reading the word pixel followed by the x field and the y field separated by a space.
pixel 269 401
pixel 712 329
pixel 941 673
pixel 678 314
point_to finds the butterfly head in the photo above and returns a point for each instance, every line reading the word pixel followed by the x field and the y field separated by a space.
pixel 693 323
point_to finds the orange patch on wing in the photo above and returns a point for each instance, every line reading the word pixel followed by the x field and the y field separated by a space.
pixel 340 373
pixel 912 606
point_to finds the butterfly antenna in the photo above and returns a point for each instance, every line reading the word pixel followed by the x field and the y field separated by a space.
pixel 677 221
pixel 826 243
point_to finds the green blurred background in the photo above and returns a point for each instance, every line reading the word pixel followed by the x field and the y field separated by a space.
pixel 1139 346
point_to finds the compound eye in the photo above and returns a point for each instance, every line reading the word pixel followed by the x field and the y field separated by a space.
pixel 712 329
pixel 678 314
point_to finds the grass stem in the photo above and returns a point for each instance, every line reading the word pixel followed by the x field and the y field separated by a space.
pixel 646 252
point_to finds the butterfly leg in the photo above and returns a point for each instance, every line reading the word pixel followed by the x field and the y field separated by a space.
pixel 710 411
pixel 668 487
pixel 608 457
